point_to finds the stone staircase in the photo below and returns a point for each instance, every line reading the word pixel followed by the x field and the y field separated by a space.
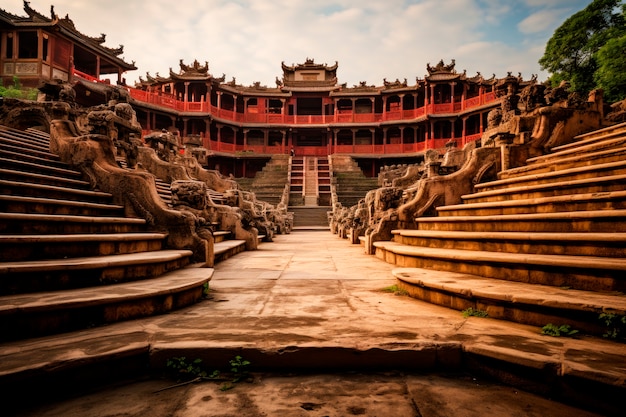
pixel 349 182
pixel 310 217
pixel 296 182
pixel 323 182
pixel 224 245
pixel 311 191
pixel 269 183
pixel 70 258
pixel 310 181
pixel 545 243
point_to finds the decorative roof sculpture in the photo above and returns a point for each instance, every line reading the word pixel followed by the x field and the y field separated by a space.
pixel 195 71
pixel 310 75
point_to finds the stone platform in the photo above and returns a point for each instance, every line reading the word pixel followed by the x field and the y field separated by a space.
pixel 324 337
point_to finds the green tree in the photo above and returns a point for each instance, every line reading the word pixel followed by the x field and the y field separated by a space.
pixel 572 51
pixel 611 73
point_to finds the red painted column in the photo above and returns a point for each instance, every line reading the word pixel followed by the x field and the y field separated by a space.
pixel 463 141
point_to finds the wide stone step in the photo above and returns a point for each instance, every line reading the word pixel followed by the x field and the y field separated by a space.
pixel 589 273
pixel 574 244
pixel 228 248
pixel 39 205
pixel 310 216
pixel 615 200
pixel 61 274
pixel 531 304
pixel 582 186
pixel 37 167
pixel 599 135
pixel 610 140
pixel 586 159
pixel 38 247
pixel 30 315
pixel 221 235
pixel 43 179
pixel 24 140
pixel 27 189
pixel 28 223
pixel 572 174
pixel 598 221
pixel 41 158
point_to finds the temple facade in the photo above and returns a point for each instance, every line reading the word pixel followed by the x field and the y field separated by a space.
pixel 308 112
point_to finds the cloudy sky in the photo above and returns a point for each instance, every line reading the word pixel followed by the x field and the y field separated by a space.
pixel 371 39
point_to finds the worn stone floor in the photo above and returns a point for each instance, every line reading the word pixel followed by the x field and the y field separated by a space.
pixel 325 338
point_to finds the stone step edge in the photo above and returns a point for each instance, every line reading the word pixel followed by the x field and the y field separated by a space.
pixel 16 153
pixel 78 191
pixel 93 262
pixel 27 174
pixel 472 286
pixel 581 148
pixel 34 166
pixel 594 181
pixel 45 156
pixel 514 236
pixel 505 258
pixel 27 142
pixel 43 200
pixel 560 215
pixel 591 156
pixel 91 237
pixel 37 372
pixel 607 131
pixel 552 174
pixel 168 283
pixel 564 199
pixel 227 245
pixel 70 219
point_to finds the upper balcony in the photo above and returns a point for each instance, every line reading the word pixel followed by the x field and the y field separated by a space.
pixel 339 116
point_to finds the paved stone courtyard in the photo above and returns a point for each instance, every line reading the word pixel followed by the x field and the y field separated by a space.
pixel 310 312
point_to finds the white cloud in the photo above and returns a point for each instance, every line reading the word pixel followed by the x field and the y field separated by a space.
pixel 371 39
pixel 542 21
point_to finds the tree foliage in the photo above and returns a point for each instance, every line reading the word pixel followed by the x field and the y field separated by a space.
pixel 611 72
pixel 585 49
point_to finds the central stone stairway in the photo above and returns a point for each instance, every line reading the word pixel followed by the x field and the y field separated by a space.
pixel 310 192
pixel 69 257
pixel 543 244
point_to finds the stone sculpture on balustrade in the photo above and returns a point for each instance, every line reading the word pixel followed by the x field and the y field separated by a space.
pixel 531 119
pixel 92 149
pixel 103 142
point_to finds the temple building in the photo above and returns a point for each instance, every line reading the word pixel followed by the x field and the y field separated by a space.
pixel 307 113
pixel 310 113
pixel 36 48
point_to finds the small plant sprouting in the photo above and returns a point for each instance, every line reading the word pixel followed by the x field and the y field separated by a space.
pixel 615 325
pixel 557 331
pixel 395 290
pixel 205 289
pixel 472 312
pixel 185 370
pixel 190 372
pixel 239 368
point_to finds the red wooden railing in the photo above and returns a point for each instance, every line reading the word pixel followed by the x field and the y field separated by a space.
pixel 341 116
